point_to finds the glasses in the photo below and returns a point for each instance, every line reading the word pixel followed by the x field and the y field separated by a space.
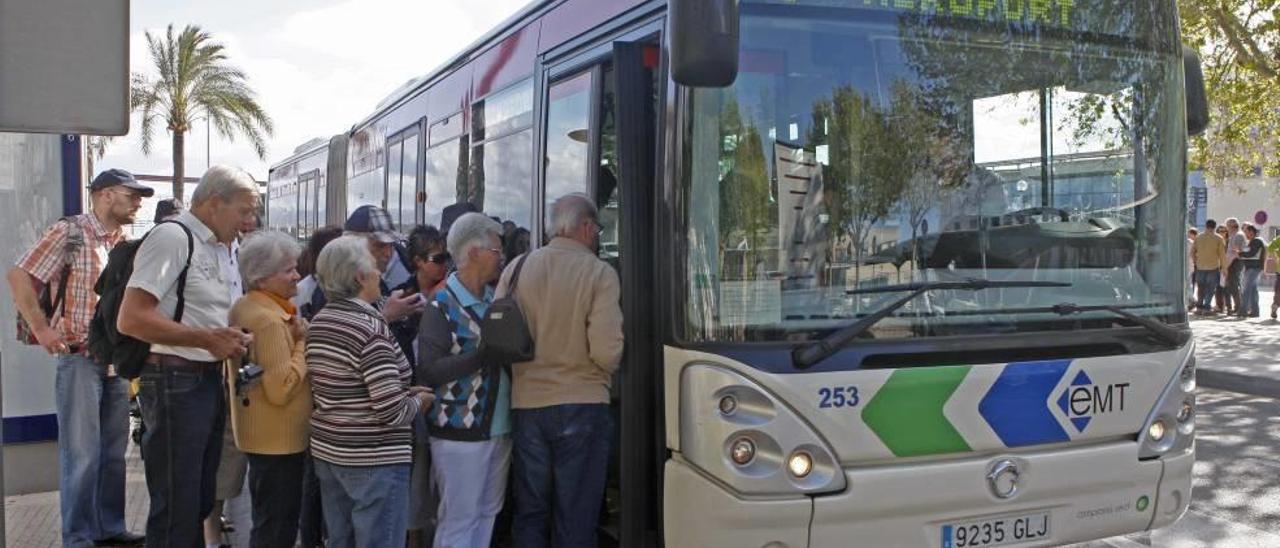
pixel 130 194
pixel 438 258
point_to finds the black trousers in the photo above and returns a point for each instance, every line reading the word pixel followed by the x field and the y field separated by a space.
pixel 275 490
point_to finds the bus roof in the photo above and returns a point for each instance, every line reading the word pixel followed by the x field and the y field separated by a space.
pixel 304 150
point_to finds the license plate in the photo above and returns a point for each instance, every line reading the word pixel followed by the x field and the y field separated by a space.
pixel 996 531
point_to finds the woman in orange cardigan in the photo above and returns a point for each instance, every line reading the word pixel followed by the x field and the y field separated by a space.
pixel 270 416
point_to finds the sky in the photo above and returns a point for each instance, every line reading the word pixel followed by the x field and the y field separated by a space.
pixel 318 66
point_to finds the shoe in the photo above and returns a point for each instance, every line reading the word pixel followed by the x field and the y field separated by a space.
pixel 123 539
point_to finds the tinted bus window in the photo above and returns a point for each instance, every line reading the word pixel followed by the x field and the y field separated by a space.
pixel 446 173
pixel 568 138
pixel 502 164
pixel 408 187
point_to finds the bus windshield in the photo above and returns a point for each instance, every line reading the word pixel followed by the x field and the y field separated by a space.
pixel 866 145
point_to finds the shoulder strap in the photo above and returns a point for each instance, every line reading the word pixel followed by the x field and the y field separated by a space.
pixel 515 275
pixel 182 277
pixel 75 240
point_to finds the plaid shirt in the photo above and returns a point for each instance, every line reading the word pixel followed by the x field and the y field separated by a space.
pixel 44 261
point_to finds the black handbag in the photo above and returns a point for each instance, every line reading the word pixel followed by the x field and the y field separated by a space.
pixel 505 335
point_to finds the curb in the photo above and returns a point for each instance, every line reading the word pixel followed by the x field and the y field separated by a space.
pixel 1236 382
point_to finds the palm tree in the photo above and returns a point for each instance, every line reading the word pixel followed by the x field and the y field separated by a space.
pixel 196 79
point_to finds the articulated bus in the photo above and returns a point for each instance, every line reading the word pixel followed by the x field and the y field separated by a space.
pixel 894 273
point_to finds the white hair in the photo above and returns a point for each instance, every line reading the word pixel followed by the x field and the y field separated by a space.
pixel 569 211
pixel 340 265
pixel 266 253
pixel 470 231
pixel 224 183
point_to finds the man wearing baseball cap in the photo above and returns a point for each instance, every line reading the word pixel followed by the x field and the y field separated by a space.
pixel 375 224
pixel 91 400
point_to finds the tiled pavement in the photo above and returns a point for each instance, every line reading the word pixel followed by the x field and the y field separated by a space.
pixel 33 521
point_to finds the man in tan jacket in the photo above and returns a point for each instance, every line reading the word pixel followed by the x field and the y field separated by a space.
pixel 560 400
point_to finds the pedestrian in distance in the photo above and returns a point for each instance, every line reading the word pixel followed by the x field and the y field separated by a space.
pixel 91 400
pixel 1251 259
pixel 181 386
pixel 270 415
pixel 470 422
pixel 364 403
pixel 560 400
pixel 1208 253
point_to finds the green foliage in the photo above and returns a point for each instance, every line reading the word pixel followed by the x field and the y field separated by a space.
pixel 194 79
pixel 1239 44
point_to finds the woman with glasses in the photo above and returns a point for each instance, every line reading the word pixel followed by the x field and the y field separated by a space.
pixel 470 424
pixel 431 264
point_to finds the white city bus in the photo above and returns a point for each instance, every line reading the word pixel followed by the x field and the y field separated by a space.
pixel 894 272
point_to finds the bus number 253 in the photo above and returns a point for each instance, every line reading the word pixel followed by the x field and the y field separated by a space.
pixel 838 396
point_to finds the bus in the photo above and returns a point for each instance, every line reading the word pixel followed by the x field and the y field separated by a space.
pixel 894 272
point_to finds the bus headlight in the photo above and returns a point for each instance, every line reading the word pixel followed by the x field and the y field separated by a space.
pixel 743 451
pixel 800 464
pixel 1171 424
pixel 1156 431
pixel 751 441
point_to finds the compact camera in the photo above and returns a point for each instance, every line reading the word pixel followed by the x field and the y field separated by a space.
pixel 247 376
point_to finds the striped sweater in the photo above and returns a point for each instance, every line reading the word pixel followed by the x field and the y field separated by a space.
pixel 359 385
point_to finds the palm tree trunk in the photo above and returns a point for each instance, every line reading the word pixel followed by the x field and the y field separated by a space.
pixel 179 163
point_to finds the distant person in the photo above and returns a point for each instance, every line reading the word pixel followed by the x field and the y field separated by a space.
pixel 1236 242
pixel 452 212
pixel 182 392
pixel 374 225
pixel 361 427
pixel 167 209
pixel 1191 268
pixel 1250 259
pixel 561 422
pixel 471 423
pixel 1209 253
pixel 516 244
pixel 271 417
pixel 1273 249
pixel 1221 296
pixel 91 401
pixel 307 267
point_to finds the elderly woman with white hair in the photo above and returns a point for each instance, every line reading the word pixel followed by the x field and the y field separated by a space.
pixel 470 422
pixel 364 404
pixel 270 417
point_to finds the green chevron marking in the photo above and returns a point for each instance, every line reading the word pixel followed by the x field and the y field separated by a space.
pixel 906 414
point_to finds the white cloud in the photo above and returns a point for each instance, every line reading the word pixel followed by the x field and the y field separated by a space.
pixel 317 71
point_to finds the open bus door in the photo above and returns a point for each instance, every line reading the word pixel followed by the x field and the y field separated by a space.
pixel 600 138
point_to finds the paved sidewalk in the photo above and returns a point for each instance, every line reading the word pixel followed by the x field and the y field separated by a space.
pixel 34 521
pixel 1240 355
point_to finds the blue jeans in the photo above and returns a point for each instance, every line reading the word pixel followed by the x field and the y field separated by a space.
pixel 561 462
pixel 364 506
pixel 1249 296
pixel 183 412
pixel 93 433
pixel 1207 283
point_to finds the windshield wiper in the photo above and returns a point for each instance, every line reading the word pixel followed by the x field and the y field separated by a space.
pixel 1161 330
pixel 810 354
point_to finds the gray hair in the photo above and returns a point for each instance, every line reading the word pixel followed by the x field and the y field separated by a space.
pixel 340 265
pixel 569 211
pixel 266 253
pixel 223 182
pixel 470 231
pixel 1231 221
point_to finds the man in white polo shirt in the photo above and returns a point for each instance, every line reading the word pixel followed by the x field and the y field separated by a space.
pixel 181 389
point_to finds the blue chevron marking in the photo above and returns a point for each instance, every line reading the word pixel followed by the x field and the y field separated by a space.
pixel 1016 406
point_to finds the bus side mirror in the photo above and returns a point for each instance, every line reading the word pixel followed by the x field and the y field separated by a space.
pixel 704 42
pixel 1197 97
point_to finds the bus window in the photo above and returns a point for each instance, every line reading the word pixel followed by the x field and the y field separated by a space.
pixel 395 158
pixel 408 196
pixel 502 168
pixel 569 135
pixel 446 177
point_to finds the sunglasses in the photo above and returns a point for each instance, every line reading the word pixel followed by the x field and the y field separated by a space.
pixel 438 258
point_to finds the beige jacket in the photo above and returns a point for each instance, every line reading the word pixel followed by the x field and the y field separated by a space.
pixel 570 300
pixel 276 421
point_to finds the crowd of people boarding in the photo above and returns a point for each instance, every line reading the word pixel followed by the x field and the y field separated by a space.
pixel 350 381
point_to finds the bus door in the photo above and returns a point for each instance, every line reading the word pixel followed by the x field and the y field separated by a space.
pixel 600 140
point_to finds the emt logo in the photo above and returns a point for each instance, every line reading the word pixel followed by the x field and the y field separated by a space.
pixel 1083 399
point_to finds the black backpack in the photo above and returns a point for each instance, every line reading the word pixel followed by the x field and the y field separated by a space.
pixel 506 338
pixel 106 344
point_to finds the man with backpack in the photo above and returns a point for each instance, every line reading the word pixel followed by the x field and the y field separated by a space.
pixel 92 400
pixel 177 300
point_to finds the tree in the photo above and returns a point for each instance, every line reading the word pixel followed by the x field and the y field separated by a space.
pixel 194 79
pixel 1239 44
